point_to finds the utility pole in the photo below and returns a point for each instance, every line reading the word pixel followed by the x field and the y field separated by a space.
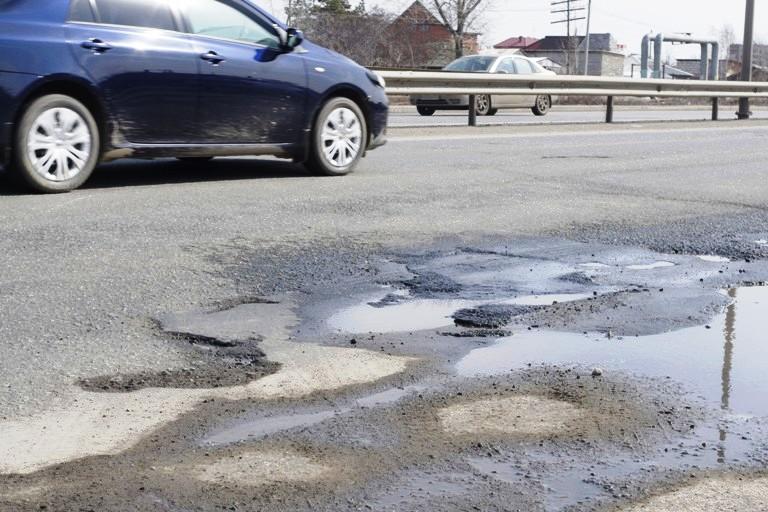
pixel 746 57
pixel 586 52
pixel 568 12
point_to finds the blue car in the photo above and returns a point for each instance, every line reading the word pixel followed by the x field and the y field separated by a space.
pixel 89 81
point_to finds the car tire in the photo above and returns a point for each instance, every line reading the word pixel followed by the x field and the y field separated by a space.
pixel 543 105
pixel 338 140
pixel 493 112
pixel 483 105
pixel 57 144
pixel 426 111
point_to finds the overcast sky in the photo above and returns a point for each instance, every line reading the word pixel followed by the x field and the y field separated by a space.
pixel 627 20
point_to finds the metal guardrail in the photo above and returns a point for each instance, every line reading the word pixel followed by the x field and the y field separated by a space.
pixel 475 84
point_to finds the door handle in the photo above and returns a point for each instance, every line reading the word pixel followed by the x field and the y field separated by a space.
pixel 212 57
pixel 97 45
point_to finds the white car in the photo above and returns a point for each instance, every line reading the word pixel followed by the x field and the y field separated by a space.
pixel 485 104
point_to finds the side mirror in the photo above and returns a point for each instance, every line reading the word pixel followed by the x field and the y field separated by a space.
pixel 294 38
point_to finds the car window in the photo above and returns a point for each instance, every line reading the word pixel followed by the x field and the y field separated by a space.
pixel 136 13
pixel 471 64
pixel 507 66
pixel 524 67
pixel 80 10
pixel 219 19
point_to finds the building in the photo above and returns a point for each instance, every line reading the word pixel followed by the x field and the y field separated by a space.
pixel 515 44
pixel 693 66
pixel 759 54
pixel 606 57
pixel 420 40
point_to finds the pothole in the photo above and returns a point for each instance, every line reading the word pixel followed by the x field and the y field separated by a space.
pixel 414 315
pixel 721 361
pixel 514 416
pixel 220 366
pixel 723 494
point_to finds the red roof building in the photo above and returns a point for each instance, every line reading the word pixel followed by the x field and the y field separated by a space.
pixel 516 43
pixel 421 40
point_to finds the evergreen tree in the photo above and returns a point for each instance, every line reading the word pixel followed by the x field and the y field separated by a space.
pixel 333 6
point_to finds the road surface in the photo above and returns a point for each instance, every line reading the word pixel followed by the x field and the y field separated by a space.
pixel 239 334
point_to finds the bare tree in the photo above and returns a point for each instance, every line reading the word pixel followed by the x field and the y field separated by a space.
pixel 358 33
pixel 460 17
pixel 727 38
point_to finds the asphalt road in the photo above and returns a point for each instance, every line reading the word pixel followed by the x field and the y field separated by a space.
pixel 405 116
pixel 83 271
pixel 87 275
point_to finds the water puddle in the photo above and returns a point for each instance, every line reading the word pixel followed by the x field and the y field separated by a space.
pixel 723 362
pixel 252 429
pixel 714 259
pixel 651 266
pixel 594 264
pixel 424 314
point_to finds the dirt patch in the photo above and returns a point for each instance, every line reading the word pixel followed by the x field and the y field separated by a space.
pixel 491 316
pixel 259 468
pixel 723 494
pixel 431 284
pixel 516 415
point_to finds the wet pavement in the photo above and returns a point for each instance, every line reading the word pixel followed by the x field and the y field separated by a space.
pixel 538 374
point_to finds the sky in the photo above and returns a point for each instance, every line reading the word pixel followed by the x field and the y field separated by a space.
pixel 627 20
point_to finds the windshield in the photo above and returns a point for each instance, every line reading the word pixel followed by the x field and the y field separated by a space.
pixel 474 64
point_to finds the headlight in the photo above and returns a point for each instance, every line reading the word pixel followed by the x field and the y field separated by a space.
pixel 376 78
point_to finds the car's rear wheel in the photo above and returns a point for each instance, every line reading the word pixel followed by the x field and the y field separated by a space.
pixel 493 112
pixel 339 138
pixel 426 111
pixel 543 105
pixel 57 144
pixel 483 105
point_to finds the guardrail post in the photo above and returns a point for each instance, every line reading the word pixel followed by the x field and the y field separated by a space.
pixel 472 110
pixel 609 110
pixel 715 109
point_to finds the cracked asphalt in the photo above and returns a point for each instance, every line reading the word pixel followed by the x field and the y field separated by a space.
pixel 479 219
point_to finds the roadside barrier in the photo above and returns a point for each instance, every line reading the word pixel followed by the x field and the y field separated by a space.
pixel 475 84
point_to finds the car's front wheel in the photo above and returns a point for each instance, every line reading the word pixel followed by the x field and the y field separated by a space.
pixel 426 111
pixel 543 105
pixel 57 144
pixel 339 138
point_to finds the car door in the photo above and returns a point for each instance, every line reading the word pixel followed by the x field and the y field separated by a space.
pixel 524 67
pixel 252 92
pixel 145 67
pixel 508 66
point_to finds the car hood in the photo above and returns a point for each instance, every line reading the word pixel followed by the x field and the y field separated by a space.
pixel 325 53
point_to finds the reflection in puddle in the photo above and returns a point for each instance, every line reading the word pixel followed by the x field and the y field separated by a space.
pixel 423 314
pixel 693 356
pixel 652 266
pixel 724 363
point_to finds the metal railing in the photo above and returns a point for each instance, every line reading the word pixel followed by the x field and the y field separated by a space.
pixel 475 84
